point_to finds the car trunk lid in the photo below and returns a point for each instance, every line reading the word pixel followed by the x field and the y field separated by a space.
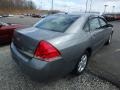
pixel 26 40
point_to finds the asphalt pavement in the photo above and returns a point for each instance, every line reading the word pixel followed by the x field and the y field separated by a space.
pixel 105 62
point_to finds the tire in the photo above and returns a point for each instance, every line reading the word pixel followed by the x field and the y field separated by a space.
pixel 82 63
pixel 109 40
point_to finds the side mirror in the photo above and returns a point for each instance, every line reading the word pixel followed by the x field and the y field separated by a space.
pixel 109 25
pixel 106 26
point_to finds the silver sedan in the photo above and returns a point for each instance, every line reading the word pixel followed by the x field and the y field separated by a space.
pixel 60 44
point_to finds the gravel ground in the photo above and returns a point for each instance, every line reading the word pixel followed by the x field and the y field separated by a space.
pixel 11 77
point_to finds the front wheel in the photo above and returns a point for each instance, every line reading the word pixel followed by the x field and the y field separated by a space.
pixel 109 40
pixel 82 63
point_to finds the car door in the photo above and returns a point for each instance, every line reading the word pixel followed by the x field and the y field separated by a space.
pixel 105 28
pixel 97 34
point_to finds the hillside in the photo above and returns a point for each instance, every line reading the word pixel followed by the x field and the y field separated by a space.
pixel 16 6
pixel 21 11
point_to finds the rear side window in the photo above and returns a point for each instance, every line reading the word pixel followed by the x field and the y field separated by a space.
pixel 57 23
pixel 102 22
pixel 94 24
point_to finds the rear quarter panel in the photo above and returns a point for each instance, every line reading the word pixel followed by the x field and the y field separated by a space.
pixel 72 46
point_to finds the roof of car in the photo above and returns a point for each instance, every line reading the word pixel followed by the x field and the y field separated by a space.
pixel 81 14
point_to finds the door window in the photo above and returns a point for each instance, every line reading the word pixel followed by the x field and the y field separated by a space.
pixel 102 22
pixel 94 24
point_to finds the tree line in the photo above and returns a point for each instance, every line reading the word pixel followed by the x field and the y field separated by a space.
pixel 17 4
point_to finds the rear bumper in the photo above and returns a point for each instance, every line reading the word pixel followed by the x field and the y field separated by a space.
pixel 38 69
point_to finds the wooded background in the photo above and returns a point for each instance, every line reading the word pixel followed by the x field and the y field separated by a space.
pixel 17 4
pixel 10 6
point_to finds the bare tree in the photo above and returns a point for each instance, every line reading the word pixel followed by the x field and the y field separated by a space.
pixel 11 4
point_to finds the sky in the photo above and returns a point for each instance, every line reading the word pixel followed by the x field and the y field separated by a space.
pixel 79 5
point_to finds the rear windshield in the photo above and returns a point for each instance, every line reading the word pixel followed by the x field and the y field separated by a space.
pixel 58 23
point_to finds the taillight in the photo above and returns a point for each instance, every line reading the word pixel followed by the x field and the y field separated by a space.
pixel 47 52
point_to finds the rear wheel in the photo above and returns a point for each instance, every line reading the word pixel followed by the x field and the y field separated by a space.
pixel 82 63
